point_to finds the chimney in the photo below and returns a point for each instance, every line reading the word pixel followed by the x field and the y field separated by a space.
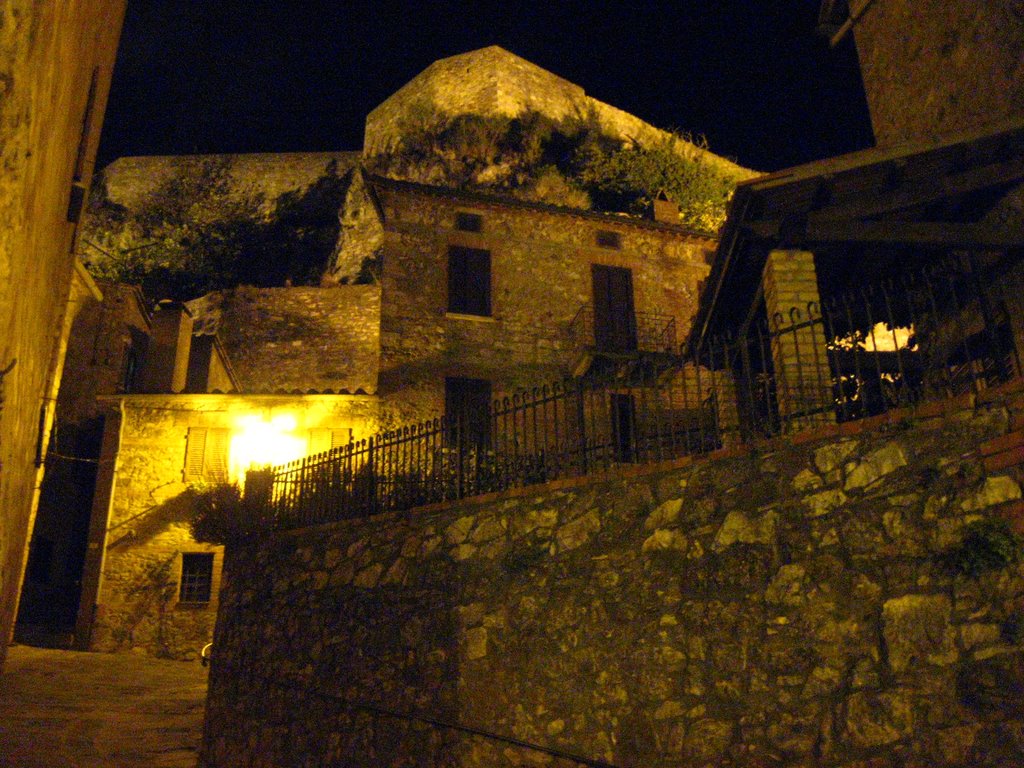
pixel 665 210
pixel 166 368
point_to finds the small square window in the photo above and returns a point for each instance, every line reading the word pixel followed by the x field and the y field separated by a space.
pixel 469 222
pixel 606 239
pixel 469 281
pixel 196 577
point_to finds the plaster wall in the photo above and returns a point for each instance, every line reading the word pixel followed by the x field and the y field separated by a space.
pixel 49 54
pixel 934 67
pixel 143 506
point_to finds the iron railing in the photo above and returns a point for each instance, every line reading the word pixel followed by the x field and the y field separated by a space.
pixel 643 332
pixel 947 330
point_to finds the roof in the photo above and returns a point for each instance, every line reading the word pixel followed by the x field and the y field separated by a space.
pixel 504 201
pixel 901 200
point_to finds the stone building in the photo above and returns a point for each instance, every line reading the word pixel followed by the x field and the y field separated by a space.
pixel 476 297
pixel 55 62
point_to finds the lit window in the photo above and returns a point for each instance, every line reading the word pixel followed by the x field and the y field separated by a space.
pixel 206 455
pixel 469 281
pixel 196 577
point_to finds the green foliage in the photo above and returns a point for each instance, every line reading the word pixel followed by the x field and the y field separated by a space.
pixel 219 515
pixel 195 234
pixel 569 162
pixel 988 545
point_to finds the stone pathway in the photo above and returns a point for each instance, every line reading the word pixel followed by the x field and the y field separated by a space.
pixel 97 710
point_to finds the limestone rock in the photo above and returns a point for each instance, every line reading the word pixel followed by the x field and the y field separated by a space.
pixel 806 480
pixel 824 502
pixel 875 466
pixel 787 588
pixel 831 457
pixel 995 490
pixel 738 528
pixel 917 631
pixel 665 539
pixel 665 514
pixel 575 534
pixel 476 643
pixel 876 719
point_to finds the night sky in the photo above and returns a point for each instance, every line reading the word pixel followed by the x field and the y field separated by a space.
pixel 211 76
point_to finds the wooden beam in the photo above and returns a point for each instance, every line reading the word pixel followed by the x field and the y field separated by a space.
pixel 926 234
pixel 911 195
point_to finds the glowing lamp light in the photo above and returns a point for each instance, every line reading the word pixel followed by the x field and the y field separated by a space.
pixel 258 442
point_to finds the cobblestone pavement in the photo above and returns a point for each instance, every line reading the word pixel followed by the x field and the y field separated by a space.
pixel 63 709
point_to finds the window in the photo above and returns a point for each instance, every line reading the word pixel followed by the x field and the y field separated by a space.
pixel 467 409
pixel 469 281
pixel 607 239
pixel 196 577
pixel 206 455
pixel 469 222
pixel 324 439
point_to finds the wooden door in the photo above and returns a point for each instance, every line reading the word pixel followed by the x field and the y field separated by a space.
pixel 614 316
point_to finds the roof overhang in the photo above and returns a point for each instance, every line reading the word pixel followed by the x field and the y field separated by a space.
pixel 913 196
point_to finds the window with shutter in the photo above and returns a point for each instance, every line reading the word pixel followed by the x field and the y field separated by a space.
pixel 206 455
pixel 324 439
pixel 469 281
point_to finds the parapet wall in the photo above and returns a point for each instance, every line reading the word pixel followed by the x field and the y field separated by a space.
pixel 790 604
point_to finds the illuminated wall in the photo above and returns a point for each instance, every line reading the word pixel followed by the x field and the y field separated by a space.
pixel 56 58
pixel 157 448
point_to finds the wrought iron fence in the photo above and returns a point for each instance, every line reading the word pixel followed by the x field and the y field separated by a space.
pixel 941 332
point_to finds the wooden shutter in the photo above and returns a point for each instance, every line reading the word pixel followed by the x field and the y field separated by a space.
pixel 340 437
pixel 195 449
pixel 469 281
pixel 215 461
pixel 614 316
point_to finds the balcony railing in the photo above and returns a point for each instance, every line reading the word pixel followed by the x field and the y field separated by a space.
pixel 648 332
pixel 938 334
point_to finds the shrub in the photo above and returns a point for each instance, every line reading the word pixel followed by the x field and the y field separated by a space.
pixel 988 545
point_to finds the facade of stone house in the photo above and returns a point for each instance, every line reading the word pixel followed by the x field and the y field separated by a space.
pixel 55 61
pixel 500 295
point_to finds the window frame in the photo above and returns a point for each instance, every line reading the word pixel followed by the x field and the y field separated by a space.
pixel 195 582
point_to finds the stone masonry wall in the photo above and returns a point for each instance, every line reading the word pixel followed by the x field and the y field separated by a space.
pixel 786 605
pixel 305 339
pixel 49 53
pixel 540 278
pixel 141 521
pixel 938 67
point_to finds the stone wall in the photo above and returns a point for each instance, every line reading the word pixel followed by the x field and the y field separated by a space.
pixel 143 506
pixel 540 278
pixel 938 67
pixel 49 53
pixel 790 604
pixel 297 339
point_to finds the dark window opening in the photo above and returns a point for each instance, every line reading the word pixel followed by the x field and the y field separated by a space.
pixel 196 577
pixel 467 409
pixel 623 413
pixel 614 317
pixel 469 222
pixel 469 281
pixel 607 239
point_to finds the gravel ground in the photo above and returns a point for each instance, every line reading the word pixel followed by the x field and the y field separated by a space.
pixel 94 710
